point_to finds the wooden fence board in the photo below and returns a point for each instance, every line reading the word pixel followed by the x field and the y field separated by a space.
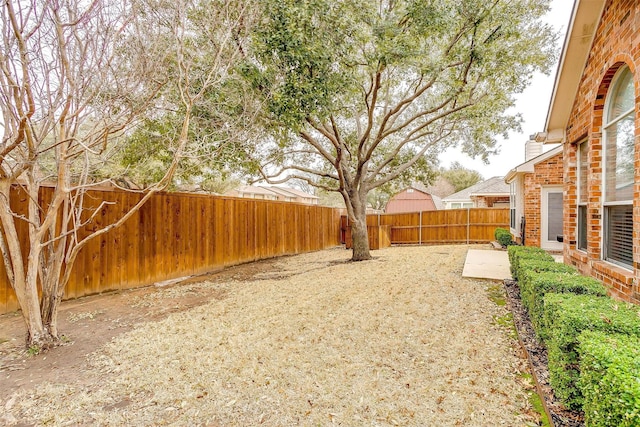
pixel 476 225
pixel 176 234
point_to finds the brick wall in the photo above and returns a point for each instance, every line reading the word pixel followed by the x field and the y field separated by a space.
pixel 548 172
pixel 490 201
pixel 615 45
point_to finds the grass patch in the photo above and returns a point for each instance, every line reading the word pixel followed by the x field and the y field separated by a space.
pixel 496 294
pixel 506 321
pixel 535 400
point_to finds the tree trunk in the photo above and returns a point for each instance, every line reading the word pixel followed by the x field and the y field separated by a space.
pixel 360 239
pixel 359 233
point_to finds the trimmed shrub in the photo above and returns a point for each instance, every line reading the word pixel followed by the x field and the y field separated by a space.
pixel 610 379
pixel 545 277
pixel 520 253
pixel 565 316
pixel 528 267
pixel 503 236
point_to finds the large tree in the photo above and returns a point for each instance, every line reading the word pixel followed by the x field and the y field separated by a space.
pixel 357 93
pixel 75 77
pixel 460 177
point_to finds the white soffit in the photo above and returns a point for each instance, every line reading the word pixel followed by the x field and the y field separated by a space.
pixel 582 28
pixel 529 166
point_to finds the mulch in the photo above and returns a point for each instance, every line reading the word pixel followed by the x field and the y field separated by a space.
pixel 537 355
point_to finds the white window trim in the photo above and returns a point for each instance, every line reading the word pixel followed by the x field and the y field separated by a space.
pixel 605 126
pixel 582 145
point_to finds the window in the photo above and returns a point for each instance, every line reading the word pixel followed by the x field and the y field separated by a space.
pixel 461 205
pixel 512 205
pixel 619 173
pixel 582 195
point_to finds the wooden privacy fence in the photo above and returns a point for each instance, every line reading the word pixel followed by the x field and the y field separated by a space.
pixel 474 225
pixel 177 234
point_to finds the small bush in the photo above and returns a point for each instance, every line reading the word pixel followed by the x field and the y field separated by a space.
pixel 527 266
pixel 565 316
pixel 610 379
pixel 519 253
pixel 503 236
pixel 558 278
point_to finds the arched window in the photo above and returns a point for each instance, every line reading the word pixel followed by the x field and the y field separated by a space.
pixel 619 173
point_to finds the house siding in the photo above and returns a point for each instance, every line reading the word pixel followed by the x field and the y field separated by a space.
pixel 546 173
pixel 616 43
pixel 414 201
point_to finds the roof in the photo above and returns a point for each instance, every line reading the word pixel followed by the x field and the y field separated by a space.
pixel 527 167
pixel 583 24
pixel 490 187
pixel 418 186
pixel 437 201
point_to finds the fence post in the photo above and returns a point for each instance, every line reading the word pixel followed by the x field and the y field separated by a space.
pixel 420 230
pixel 468 226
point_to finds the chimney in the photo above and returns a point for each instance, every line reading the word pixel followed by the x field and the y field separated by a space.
pixel 532 149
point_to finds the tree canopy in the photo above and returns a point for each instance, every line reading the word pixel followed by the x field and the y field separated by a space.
pixel 460 177
pixel 357 93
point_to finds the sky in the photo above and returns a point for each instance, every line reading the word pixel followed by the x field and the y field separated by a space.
pixel 532 104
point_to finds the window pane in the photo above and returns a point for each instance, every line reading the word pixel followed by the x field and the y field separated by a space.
pixel 582 228
pixel 554 216
pixel 619 166
pixel 582 172
pixel 622 100
pixel 619 244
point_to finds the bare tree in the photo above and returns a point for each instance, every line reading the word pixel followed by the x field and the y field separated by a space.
pixel 75 76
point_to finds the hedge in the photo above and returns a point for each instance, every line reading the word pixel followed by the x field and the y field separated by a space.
pixel 565 316
pixel 503 236
pixel 610 379
pixel 560 278
pixel 520 253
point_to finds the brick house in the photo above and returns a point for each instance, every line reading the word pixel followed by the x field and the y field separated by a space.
pixel 491 193
pixel 283 194
pixel 594 114
pixel 536 196
pixel 413 199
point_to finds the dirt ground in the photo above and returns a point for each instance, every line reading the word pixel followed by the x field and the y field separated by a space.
pixel 312 339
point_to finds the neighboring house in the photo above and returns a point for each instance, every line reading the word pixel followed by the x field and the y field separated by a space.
pixel 594 114
pixel 413 199
pixel 536 189
pixel 283 194
pixel 293 195
pixel 252 192
pixel 492 193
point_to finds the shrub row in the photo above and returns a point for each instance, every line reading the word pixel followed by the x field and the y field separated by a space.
pixel 503 236
pixel 593 341
pixel 566 316
pixel 610 378
pixel 558 279
pixel 519 254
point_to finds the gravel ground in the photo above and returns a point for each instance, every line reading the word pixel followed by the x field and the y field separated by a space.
pixel 398 340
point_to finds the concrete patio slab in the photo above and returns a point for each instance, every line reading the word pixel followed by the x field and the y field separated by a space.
pixel 486 264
